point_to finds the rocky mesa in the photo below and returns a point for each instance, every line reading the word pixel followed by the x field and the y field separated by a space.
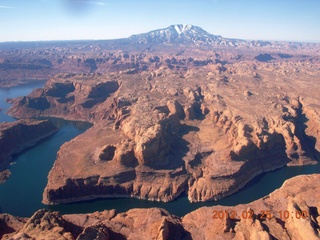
pixel 291 212
pixel 19 135
pixel 174 111
pixel 203 129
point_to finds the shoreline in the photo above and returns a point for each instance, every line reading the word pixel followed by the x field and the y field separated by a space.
pixel 7 154
pixel 285 213
pixel 240 188
pixel 16 83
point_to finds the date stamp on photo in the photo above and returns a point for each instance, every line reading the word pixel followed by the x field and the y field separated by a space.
pixel 262 215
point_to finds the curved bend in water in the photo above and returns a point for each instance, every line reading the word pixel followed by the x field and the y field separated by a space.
pixel 21 195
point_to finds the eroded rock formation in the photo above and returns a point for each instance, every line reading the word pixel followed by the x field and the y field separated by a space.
pixel 161 133
pixel 17 136
pixel 291 212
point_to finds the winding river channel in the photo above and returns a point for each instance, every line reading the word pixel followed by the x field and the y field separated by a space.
pixel 21 194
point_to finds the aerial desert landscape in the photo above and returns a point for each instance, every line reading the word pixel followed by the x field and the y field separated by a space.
pixel 175 111
pixel 285 214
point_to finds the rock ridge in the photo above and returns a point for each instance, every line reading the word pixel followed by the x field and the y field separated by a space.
pixel 291 212
pixel 203 123
pixel 18 136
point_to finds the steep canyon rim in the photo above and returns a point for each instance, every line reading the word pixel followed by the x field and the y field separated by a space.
pixel 170 118
pixel 295 196
pixel 192 136
pixel 258 188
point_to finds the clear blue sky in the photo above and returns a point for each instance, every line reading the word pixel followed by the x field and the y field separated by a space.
pixel 28 20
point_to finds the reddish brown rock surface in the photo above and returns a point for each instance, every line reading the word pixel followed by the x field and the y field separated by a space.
pixel 159 133
pixel 19 135
pixel 291 212
pixel 190 47
pixel 173 113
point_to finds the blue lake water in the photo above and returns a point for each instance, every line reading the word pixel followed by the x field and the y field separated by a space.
pixel 21 195
pixel 13 92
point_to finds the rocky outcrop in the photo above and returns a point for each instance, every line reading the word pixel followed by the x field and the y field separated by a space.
pixel 183 48
pixel 45 225
pixel 64 98
pixel 159 134
pixel 18 136
pixel 272 217
pixel 291 212
pixel 172 119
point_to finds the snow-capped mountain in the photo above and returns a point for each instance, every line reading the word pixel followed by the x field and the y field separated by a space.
pixel 177 34
pixel 190 34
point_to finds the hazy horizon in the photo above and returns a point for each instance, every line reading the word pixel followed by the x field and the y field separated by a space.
pixel 59 20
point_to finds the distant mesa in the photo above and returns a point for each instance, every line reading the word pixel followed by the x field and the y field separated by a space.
pixel 284 55
pixel 265 57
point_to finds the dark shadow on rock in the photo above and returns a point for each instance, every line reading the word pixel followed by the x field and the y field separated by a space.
pixel 173 231
pixel 74 229
pixel 66 99
pixel 89 103
pixel 179 149
pixel 267 229
pixel 59 90
pixel 314 211
pixel 40 103
pixel 198 158
pixel 185 129
pixel 116 236
pixel 5 229
pixel 270 156
pixel 91 63
pixel 174 158
pixel 308 143
pixel 264 57
pixel 285 55
pixel 99 93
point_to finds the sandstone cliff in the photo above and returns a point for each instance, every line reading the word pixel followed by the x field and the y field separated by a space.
pixel 206 130
pixel 19 135
pixel 291 212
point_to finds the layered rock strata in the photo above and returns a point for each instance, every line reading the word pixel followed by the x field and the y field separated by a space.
pixel 291 212
pixel 175 47
pixel 205 131
pixel 18 136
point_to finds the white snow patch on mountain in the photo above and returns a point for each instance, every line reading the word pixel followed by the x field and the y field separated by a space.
pixel 181 28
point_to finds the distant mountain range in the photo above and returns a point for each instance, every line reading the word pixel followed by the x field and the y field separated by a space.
pixel 180 34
